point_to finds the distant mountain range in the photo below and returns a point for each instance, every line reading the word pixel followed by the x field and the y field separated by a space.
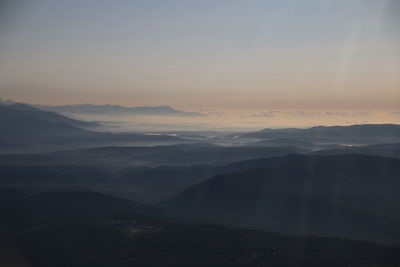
pixel 74 196
pixel 116 109
pixel 353 134
pixel 110 109
pixel 171 155
pixel 18 111
pixel 387 150
pixel 148 174
pixel 23 127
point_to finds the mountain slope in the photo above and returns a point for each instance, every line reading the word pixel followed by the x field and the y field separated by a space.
pixel 17 111
pixel 28 134
pixel 358 134
pixel 387 150
pixel 78 205
pixel 83 229
pixel 177 154
pixel 116 109
pixel 352 196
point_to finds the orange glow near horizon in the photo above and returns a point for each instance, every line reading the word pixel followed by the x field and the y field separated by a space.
pixel 320 57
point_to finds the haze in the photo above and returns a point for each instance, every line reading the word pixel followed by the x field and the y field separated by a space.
pixel 307 57
pixel 189 133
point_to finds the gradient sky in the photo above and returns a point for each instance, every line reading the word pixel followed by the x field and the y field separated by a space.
pixel 205 54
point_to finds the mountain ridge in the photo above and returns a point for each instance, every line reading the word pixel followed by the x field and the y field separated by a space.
pixel 117 109
pixel 352 134
pixel 20 110
pixel 325 195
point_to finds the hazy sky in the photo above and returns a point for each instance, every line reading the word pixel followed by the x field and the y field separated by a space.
pixel 204 54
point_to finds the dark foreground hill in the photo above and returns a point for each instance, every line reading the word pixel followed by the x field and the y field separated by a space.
pixel 122 236
pixel 348 196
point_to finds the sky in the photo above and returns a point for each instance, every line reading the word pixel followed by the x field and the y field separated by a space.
pixel 302 55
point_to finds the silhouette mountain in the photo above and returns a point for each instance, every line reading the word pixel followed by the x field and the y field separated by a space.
pixel 348 196
pixel 116 109
pixel 23 127
pixel 387 150
pixel 19 111
pixel 6 102
pixel 358 134
pixel 77 205
pixel 173 155
pixel 90 229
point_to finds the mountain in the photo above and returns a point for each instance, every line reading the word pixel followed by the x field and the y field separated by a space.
pixel 139 173
pixel 77 205
pixel 56 208
pixel 354 134
pixel 83 229
pixel 24 128
pixel 347 196
pixel 294 142
pixel 173 155
pixel 6 102
pixel 19 111
pixel 147 174
pixel 387 150
pixel 116 109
